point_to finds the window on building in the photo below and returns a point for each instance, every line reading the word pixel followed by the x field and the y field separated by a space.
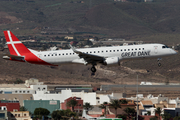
pixel 15 115
pixel 24 114
pixel 23 91
pixel 18 115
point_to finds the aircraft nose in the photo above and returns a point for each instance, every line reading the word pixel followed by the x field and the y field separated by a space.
pixel 173 52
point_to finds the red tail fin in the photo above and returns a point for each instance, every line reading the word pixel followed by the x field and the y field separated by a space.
pixel 15 45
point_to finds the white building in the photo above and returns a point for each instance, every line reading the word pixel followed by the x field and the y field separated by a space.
pixel 43 94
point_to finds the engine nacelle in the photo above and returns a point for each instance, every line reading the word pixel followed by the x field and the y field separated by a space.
pixel 112 61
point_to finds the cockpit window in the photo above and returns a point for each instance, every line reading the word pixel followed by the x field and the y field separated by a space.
pixel 165 46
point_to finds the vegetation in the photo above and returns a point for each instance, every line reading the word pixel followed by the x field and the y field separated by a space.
pixel 154 118
pixel 124 117
pixel 176 118
pixel 158 111
pixel 22 108
pixel 87 107
pixel 72 103
pixel 130 112
pixel 115 104
pixel 39 112
pixel 104 106
pixel 166 116
pixel 60 114
pixel 18 81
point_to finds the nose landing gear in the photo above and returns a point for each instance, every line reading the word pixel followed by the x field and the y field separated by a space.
pixel 159 64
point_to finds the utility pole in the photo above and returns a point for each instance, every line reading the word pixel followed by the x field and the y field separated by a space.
pixel 137 98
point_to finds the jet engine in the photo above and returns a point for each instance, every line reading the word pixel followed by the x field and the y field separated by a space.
pixel 112 61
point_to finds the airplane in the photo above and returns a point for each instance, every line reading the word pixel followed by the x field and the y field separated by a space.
pixel 99 55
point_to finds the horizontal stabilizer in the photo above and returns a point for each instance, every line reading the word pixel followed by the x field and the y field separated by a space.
pixel 9 56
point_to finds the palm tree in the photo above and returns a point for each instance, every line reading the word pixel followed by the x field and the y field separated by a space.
pixel 103 106
pixel 123 101
pixel 158 111
pixel 87 107
pixel 148 112
pixel 72 103
pixel 115 104
pixel 130 111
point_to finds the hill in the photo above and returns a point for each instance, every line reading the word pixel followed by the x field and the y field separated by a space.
pixel 115 19
pixel 149 22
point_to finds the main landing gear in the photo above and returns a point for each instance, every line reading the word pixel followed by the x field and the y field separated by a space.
pixel 93 70
pixel 159 64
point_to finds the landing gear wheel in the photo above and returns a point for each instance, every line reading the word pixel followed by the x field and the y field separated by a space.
pixel 159 64
pixel 93 69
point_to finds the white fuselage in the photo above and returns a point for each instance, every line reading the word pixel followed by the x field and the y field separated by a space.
pixel 122 52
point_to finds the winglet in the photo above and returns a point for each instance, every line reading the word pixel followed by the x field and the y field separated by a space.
pixel 74 49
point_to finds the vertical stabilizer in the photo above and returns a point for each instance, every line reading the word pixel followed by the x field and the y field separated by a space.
pixel 16 47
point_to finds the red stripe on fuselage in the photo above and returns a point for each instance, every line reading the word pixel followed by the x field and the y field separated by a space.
pixel 31 58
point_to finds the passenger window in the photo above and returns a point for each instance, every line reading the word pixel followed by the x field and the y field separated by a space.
pixel 66 53
pixel 106 50
pixel 48 55
pixel 102 51
pixel 117 50
pixel 59 54
pixel 124 49
pixel 94 51
pixel 128 49
pixel 44 55
pixel 139 48
pixel 73 53
pixel 132 49
pixel 136 49
pixel 98 51
pixel 143 48
pixel 121 50
pixel 114 50
pixel 163 46
pixel 110 51
pixel 90 52
pixel 70 53
pixel 63 54
pixel 55 54
pixel 52 55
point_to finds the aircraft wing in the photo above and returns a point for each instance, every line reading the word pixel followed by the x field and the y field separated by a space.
pixel 88 57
